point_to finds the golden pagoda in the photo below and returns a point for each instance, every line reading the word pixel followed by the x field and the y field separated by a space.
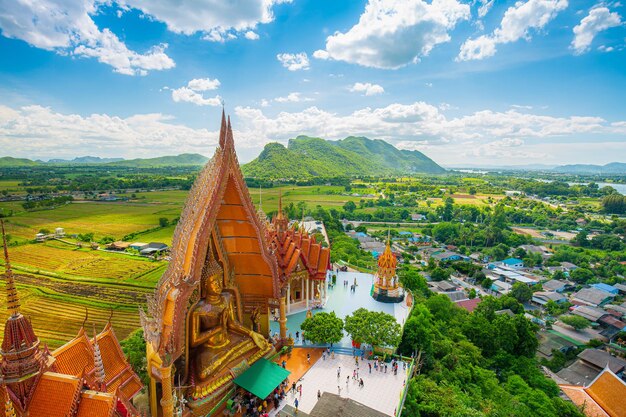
pixel 386 288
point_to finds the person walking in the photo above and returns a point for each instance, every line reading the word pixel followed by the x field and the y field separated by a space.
pixel 296 404
pixel 284 364
pixel 370 365
pixel 319 394
pixel 308 358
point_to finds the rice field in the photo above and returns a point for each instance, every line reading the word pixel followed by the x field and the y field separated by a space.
pixel 57 318
pixel 84 264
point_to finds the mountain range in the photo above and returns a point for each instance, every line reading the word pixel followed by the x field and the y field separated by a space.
pixel 306 157
pixel 185 159
pixel 612 168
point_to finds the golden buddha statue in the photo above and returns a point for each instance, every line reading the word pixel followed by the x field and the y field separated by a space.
pixel 217 336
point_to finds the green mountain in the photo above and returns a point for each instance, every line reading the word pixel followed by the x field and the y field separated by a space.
pixel 188 159
pixel 8 162
pixel 307 157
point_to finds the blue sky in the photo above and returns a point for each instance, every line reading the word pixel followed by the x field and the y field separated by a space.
pixel 466 82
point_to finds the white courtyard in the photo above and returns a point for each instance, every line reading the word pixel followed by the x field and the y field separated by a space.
pixel 381 391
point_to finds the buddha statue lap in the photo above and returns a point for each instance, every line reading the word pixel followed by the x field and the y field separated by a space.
pixel 217 337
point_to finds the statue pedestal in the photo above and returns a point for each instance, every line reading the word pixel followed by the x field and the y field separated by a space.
pixel 384 295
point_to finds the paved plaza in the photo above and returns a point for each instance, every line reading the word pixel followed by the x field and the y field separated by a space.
pixel 381 391
pixel 343 302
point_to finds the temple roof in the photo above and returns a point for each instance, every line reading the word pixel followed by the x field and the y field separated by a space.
pixel 77 358
pixel 296 248
pixel 218 215
pixel 96 404
pixel 603 397
pixel 56 395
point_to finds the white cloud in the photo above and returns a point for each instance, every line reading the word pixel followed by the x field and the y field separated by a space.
pixel 393 33
pixel 216 19
pixel 251 35
pixel 39 132
pixel 203 84
pixel 294 62
pixel 66 27
pixel 484 7
pixel 599 18
pixel 516 24
pixel 368 89
pixel 292 98
pixel 420 122
pixel 192 92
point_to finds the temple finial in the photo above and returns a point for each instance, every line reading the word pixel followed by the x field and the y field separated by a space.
pixel 98 364
pixel 280 201
pixel 13 299
pixel 85 320
pixel 260 197
pixel 223 129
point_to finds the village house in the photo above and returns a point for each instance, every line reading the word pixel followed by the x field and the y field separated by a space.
pixel 589 365
pixel 592 297
pixel 557 285
pixel 543 297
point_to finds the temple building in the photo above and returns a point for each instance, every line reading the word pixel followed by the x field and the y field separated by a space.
pixel 386 288
pixel 303 263
pixel 207 326
pixel 85 377
pixel 603 397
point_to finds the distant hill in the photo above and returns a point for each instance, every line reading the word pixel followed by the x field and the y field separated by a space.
pixel 7 162
pixel 307 157
pixel 612 168
pixel 185 159
pixel 85 160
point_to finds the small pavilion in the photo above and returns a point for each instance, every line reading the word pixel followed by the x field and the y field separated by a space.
pixel 386 288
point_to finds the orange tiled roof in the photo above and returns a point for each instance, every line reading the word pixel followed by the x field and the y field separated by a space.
pixel 76 356
pixel 56 395
pixel 581 399
pixel 118 372
pixel 96 404
pixel 609 392
pixel 298 247
pixel 604 397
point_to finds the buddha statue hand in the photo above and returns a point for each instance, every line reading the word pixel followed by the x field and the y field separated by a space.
pixel 259 340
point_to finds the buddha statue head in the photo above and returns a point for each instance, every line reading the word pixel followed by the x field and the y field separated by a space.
pixel 214 281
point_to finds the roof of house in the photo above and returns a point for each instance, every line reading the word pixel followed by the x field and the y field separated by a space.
pixel 592 296
pixel 512 261
pixel 600 359
pixel 443 285
pixel 605 287
pixel 620 287
pixel 609 320
pixel 588 312
pixel 469 304
pixel 456 295
pixel 554 284
pixel 331 405
pixel 549 295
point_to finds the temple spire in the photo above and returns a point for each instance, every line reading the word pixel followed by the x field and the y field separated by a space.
pixel 223 130
pixel 98 364
pixel 13 300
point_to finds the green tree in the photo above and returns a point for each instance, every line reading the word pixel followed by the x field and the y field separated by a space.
pixel 472 294
pixel 323 328
pixel 440 274
pixel 134 347
pixel 349 206
pixel 521 292
pixel 581 275
pixel 373 327
pixel 576 322
pixel 164 222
